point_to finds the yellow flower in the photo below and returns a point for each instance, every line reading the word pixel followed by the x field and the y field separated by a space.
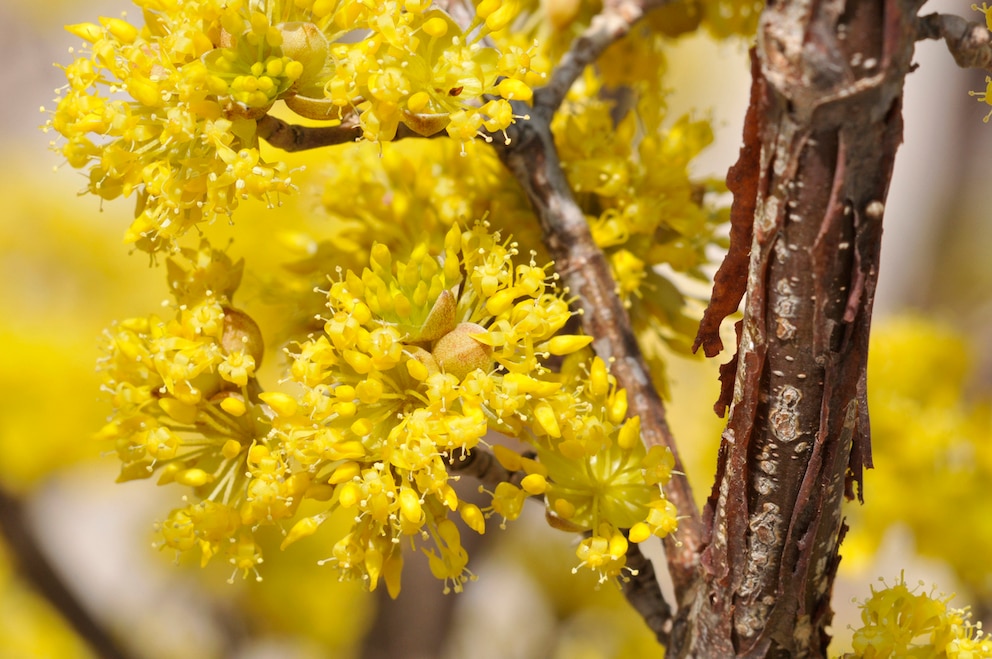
pixel 187 406
pixel 899 622
pixel 417 361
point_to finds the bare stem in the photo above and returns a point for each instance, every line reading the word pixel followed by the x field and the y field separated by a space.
pixel 607 27
pixel 644 594
pixel 293 137
pixel 969 43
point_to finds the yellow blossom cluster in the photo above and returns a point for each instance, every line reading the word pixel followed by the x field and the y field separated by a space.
pixel 631 179
pixel 899 622
pixel 417 362
pixel 651 219
pixel 427 177
pixel 168 111
pixel 188 407
pixel 592 468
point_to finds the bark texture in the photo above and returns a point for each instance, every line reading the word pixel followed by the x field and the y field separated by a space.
pixel 820 141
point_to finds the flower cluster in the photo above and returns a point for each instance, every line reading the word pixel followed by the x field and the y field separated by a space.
pixel 630 174
pixel 419 68
pixel 417 362
pixel 428 177
pixel 899 622
pixel 181 139
pixel 168 111
pixel 187 406
pixel 592 468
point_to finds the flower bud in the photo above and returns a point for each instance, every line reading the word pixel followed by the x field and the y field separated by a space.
pixel 321 109
pixel 459 354
pixel 441 318
pixel 241 334
pixel 305 43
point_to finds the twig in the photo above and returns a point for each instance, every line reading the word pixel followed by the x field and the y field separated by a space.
pixel 533 159
pixel 480 463
pixel 644 594
pixel 607 27
pixel 36 569
pixel 293 137
pixel 969 43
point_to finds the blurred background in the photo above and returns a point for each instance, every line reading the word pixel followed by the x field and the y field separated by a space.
pixel 67 275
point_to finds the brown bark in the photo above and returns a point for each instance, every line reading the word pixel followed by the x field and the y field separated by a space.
pixel 830 81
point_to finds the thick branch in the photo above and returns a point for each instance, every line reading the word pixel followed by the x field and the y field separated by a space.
pixel 829 101
pixel 969 43
pixel 607 27
pixel 37 570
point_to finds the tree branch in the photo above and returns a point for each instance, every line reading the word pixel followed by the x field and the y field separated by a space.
pixel 969 43
pixel 828 120
pixel 37 570
pixel 532 157
pixel 607 27
pixel 294 137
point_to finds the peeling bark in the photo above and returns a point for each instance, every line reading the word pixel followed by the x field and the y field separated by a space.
pixel 797 436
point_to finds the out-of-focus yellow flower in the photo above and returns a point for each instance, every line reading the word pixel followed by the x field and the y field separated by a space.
pixel 899 622
pixel 933 438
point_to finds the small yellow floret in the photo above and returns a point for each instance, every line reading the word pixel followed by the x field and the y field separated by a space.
pixel 514 90
pixel 233 405
pixel 508 458
pixel 410 505
pixel 630 433
pixel 564 508
pixel 436 27
pixel 121 29
pixel 566 344
pixel 303 528
pixel 639 532
pixel 473 517
pixel 193 477
pixel 417 102
pixel 350 494
pixel 282 404
pixel 534 484
pixel 547 419
pixel 231 449
pixel 345 472
pixel 88 31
